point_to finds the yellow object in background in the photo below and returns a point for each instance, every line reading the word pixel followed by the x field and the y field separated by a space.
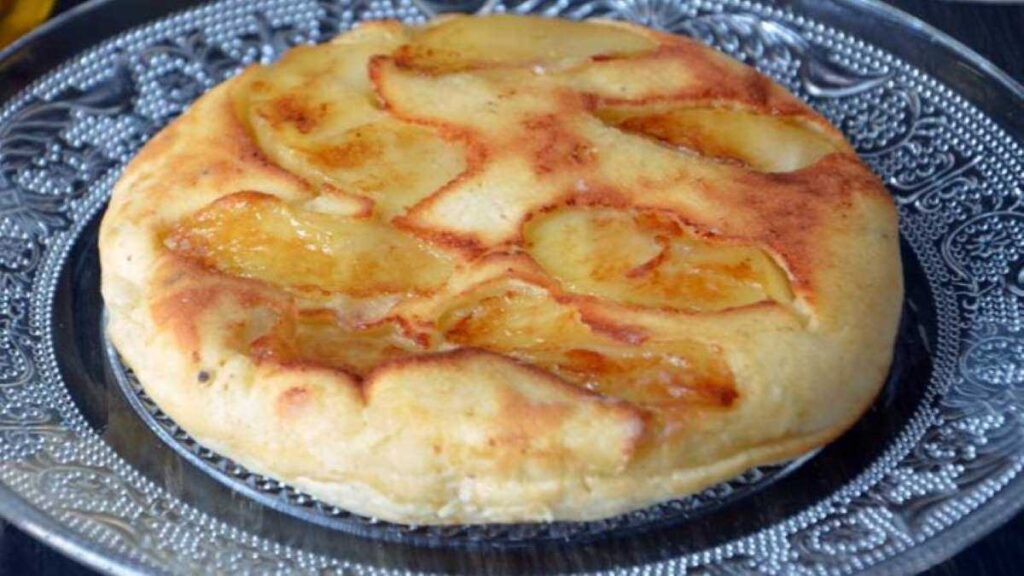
pixel 19 16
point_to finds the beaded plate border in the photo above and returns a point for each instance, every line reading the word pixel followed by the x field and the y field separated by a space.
pixel 955 174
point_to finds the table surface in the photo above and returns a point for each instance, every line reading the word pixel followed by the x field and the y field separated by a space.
pixel 994 30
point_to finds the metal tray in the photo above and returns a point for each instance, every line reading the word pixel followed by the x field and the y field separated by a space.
pixel 89 465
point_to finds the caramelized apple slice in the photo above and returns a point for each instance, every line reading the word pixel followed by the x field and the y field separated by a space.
pixel 313 91
pixel 533 139
pixel 643 78
pixel 764 142
pixel 649 260
pixel 527 323
pixel 684 373
pixel 393 163
pixel 333 75
pixel 316 337
pixel 507 316
pixel 258 236
pixel 314 113
pixel 466 42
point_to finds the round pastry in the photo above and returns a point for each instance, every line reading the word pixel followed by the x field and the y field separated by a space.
pixel 503 268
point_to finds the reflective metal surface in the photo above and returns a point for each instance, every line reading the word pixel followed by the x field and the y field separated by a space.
pixel 88 466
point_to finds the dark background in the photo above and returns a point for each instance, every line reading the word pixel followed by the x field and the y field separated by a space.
pixel 996 31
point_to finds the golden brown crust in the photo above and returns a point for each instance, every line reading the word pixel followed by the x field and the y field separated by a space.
pixel 708 302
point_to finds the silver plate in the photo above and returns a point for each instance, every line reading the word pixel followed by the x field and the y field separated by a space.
pixel 90 467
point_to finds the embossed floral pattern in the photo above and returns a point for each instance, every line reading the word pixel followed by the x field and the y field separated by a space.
pixel 956 177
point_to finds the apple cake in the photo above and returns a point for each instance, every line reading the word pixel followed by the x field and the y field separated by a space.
pixel 503 269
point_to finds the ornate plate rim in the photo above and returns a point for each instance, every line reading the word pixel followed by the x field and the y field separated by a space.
pixel 970 528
